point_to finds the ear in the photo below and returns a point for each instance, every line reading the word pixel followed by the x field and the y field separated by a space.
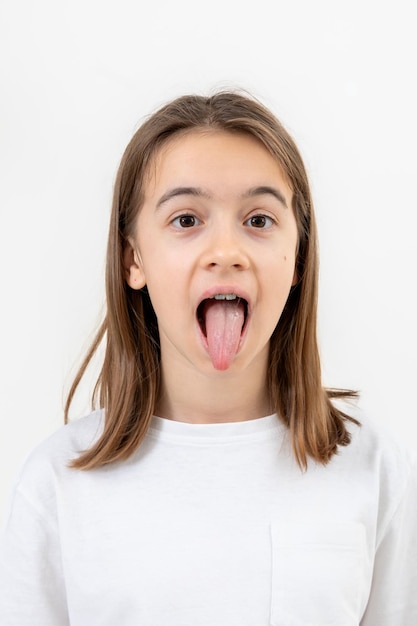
pixel 133 266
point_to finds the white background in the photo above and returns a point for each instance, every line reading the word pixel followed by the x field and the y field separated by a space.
pixel 78 77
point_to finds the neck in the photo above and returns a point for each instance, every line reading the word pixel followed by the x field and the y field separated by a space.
pixel 188 395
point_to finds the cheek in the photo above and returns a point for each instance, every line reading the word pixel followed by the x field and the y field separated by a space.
pixel 164 291
pixel 153 259
pixel 286 265
pixel 281 277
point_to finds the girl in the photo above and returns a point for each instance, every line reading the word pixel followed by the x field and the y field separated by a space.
pixel 218 483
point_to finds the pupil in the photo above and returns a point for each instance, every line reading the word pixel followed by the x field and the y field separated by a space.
pixel 187 220
pixel 258 221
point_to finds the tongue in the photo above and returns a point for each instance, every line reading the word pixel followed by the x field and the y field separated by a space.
pixel 224 320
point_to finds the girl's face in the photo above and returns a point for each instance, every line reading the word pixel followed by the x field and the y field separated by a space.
pixel 217 220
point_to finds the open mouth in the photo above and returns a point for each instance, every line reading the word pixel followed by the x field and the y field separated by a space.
pixel 223 319
pixel 232 304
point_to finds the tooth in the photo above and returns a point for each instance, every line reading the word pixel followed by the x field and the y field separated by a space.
pixel 227 296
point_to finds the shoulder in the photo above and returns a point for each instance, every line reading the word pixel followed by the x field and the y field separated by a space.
pixel 69 440
pixel 373 440
pixel 381 444
pixel 51 458
pixel 378 454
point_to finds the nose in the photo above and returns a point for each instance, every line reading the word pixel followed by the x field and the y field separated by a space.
pixel 225 249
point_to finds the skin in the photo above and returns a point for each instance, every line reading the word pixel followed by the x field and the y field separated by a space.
pixel 217 218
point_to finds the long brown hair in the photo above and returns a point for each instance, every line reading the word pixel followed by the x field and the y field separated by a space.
pixel 128 385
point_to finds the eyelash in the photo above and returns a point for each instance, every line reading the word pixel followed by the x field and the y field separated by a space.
pixel 179 222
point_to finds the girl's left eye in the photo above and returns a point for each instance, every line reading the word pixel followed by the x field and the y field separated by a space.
pixel 185 221
pixel 260 221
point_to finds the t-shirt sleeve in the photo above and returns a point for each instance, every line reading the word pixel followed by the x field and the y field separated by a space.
pixel 393 597
pixel 32 589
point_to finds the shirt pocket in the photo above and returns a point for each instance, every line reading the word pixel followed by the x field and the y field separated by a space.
pixel 317 574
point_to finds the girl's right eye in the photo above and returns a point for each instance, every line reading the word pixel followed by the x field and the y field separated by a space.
pixel 185 221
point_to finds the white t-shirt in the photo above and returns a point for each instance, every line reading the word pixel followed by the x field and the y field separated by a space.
pixel 212 525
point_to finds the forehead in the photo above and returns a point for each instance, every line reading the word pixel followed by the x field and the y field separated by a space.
pixel 213 158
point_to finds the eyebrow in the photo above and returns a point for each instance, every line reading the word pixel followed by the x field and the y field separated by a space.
pixel 266 190
pixel 200 193
pixel 182 191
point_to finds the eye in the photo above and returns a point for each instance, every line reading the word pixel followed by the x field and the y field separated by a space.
pixel 260 221
pixel 185 221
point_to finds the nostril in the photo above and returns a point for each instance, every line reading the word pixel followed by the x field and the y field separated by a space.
pixel 225 254
pixel 226 263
